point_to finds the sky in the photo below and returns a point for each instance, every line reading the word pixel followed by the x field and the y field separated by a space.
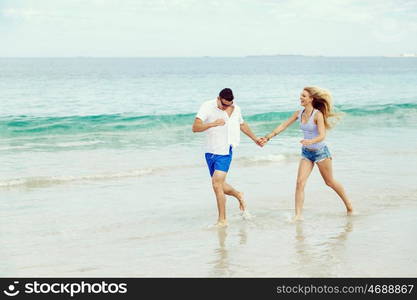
pixel 157 28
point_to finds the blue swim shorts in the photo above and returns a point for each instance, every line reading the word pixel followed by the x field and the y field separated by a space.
pixel 315 156
pixel 219 162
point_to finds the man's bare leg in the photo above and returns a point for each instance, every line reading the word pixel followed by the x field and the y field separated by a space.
pixel 229 190
pixel 218 180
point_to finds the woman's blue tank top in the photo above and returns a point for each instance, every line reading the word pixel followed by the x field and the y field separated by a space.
pixel 310 130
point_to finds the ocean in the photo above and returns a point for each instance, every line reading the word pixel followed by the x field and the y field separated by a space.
pixel 101 174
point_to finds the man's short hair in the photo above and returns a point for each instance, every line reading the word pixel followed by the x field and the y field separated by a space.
pixel 226 94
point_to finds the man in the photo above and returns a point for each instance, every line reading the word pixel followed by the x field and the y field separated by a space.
pixel 222 120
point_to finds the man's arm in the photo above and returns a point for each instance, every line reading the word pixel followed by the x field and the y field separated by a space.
pixel 199 126
pixel 244 127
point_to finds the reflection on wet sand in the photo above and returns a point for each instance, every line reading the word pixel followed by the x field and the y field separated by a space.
pixel 221 264
pixel 320 257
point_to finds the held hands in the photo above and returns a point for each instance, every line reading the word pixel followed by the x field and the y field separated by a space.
pixel 261 141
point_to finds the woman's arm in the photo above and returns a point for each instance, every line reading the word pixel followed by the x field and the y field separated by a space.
pixel 281 127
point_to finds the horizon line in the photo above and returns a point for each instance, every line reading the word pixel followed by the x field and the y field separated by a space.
pixel 214 56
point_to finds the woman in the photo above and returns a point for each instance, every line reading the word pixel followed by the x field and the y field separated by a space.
pixel 314 121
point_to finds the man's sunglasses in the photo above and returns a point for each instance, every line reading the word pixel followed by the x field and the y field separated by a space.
pixel 226 104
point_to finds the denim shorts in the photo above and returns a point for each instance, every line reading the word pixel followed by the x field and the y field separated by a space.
pixel 219 162
pixel 315 156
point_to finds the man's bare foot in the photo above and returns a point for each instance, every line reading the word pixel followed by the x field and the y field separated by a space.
pixel 297 218
pixel 221 223
pixel 242 203
pixel 349 209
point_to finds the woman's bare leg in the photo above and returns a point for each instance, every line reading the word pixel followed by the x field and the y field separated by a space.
pixel 304 170
pixel 326 171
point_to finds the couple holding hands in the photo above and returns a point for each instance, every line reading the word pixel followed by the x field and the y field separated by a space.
pixel 222 120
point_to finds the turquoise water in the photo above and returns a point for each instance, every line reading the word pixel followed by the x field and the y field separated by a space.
pixel 98 153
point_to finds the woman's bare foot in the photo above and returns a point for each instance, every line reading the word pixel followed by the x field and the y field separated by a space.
pixel 242 203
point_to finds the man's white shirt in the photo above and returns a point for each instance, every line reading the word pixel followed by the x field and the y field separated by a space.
pixel 220 138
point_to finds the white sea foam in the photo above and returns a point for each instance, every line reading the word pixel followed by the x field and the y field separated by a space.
pixel 52 180
pixel 263 158
pixel 13 148
pixel 77 144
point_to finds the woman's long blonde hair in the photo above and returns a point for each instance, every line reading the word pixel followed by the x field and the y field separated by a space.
pixel 323 101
